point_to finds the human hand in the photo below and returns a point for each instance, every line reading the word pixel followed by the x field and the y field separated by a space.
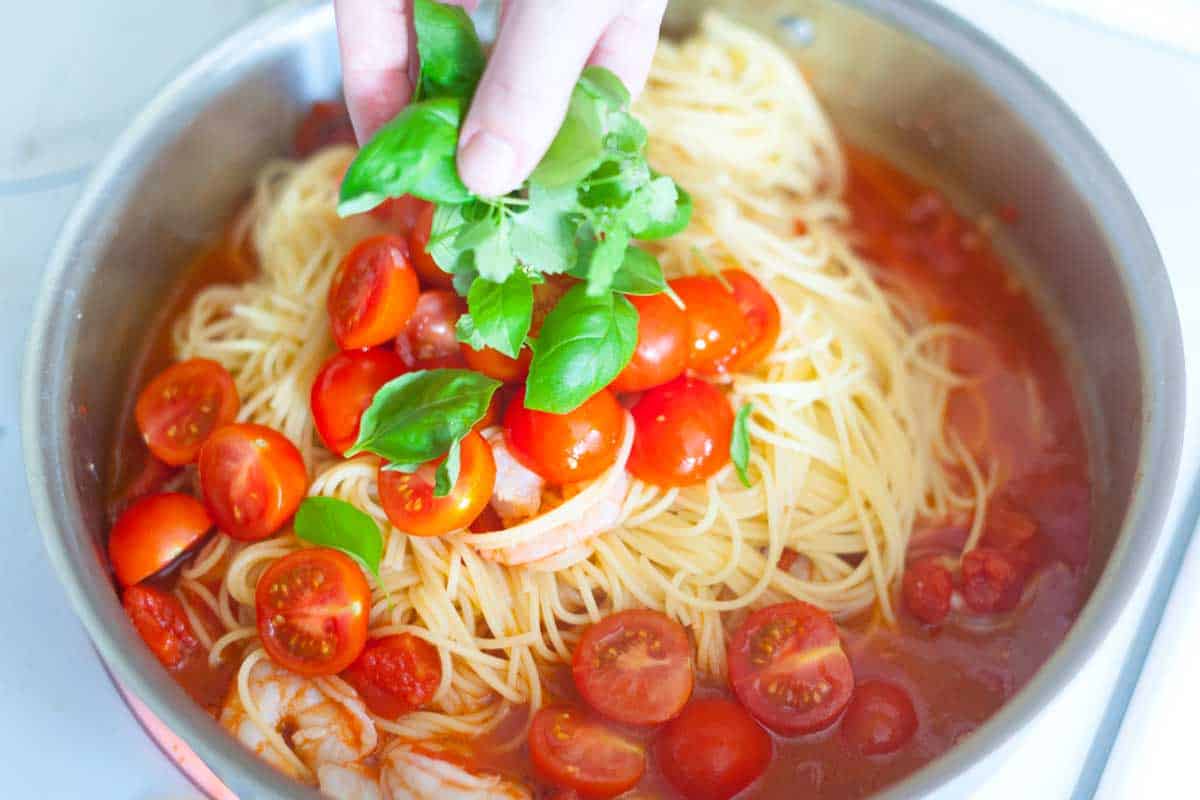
pixel 541 48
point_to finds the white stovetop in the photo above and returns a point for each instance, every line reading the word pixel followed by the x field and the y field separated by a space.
pixel 74 71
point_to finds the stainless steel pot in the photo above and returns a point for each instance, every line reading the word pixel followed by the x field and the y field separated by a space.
pixel 925 88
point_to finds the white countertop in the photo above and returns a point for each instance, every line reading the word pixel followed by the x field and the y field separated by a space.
pixel 77 70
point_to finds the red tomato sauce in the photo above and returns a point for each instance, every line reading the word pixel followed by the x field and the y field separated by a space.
pixel 956 677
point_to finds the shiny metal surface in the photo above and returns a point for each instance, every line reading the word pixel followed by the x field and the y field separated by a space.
pixel 907 78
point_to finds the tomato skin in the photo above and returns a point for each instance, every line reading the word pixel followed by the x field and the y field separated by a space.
pixel 993 580
pixel 634 667
pixel 788 669
pixel 373 293
pixel 566 448
pixel 496 365
pixel 662 345
pixel 763 320
pixel 683 433
pixel 427 269
pixel 313 608
pixel 927 588
pixel 574 752
pixel 182 406
pixel 252 478
pixel 326 123
pixel 153 532
pixel 343 390
pixel 715 323
pixel 396 674
pixel 430 340
pixel 161 622
pixel 409 502
pixel 880 718
pixel 713 750
pixel 400 213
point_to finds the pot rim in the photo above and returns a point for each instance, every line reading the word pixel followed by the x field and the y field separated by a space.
pixel 44 413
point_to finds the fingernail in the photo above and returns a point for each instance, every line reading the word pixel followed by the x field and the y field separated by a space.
pixel 487 164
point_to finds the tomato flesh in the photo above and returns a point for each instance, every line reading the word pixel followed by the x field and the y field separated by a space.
pixel 252 479
pixel 326 123
pixel 496 365
pixel 161 622
pixel 880 718
pixel 373 293
pixel 430 340
pixel 787 667
pixel 427 268
pixel 683 431
pixel 396 674
pixel 927 588
pixel 763 320
pixel 661 354
pixel 153 532
pixel 411 506
pixel 313 607
pixel 634 667
pixel 574 752
pixel 713 750
pixel 182 406
pixel 715 323
pixel 993 580
pixel 566 448
pixel 343 390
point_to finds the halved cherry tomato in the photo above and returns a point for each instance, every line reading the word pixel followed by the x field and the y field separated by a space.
pixel 149 477
pixel 715 323
pixel 927 587
pixel 343 390
pixel 430 339
pixel 400 213
pixel 326 123
pixel 993 580
pixel 408 498
pixel 430 273
pixel 761 313
pixel 496 365
pixel 787 667
pixel 574 752
pixel 313 607
pixel 162 624
pixel 662 345
pixel 566 448
pixel 252 479
pixel 634 667
pixel 373 293
pixel 153 532
pixel 713 750
pixel 487 521
pixel 396 674
pixel 880 718
pixel 185 403
pixel 683 432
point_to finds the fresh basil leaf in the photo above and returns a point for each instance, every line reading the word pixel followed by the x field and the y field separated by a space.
pixel 464 276
pixel 412 154
pixel 739 445
pixel 494 257
pixel 679 219
pixel 652 203
pixel 447 472
pixel 626 134
pixel 474 234
pixel 578 147
pixel 498 314
pixel 330 522
pixel 640 273
pixel 606 258
pixel 452 59
pixel 543 234
pixel 613 183
pixel 416 417
pixel 585 341
pixel 603 84
pixel 448 223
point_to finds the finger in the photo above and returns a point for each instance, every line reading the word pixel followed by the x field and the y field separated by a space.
pixel 627 46
pixel 521 100
pixel 374 39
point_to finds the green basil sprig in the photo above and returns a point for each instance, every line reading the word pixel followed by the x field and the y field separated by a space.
pixel 739 445
pixel 330 522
